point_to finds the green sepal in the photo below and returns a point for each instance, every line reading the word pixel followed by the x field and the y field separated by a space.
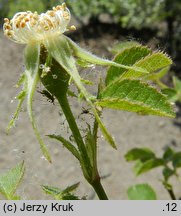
pixel 89 57
pixel 21 97
pixel 32 61
pixel 22 80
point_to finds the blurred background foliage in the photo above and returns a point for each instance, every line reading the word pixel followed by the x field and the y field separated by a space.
pixel 126 14
pixel 129 13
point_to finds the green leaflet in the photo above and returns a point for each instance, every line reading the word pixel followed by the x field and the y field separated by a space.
pixel 135 96
pixel 128 56
pixel 32 54
pixel 141 192
pixel 151 63
pixel 60 50
pixel 142 154
pixel 11 180
pixel 89 57
pixel 71 188
pixel 145 166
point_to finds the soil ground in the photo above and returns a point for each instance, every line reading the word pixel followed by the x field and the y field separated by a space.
pixel 129 130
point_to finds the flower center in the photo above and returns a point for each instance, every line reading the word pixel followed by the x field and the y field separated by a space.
pixel 27 26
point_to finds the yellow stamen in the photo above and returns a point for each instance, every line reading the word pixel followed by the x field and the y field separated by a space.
pixel 51 13
pixel 6 20
pixel 22 24
pixel 64 6
pixel 8 33
pixel 26 19
pixel 59 7
pixel 27 26
pixel 72 28
pixel 7 26
pixel 46 28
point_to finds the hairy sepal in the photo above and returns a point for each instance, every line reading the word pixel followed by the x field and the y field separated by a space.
pixel 89 57
pixel 32 58
pixel 20 97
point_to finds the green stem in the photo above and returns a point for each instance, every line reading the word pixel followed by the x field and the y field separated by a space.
pixel 63 101
pixel 171 193
pixel 95 131
pixel 96 184
pixel 99 189
pixel 88 170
